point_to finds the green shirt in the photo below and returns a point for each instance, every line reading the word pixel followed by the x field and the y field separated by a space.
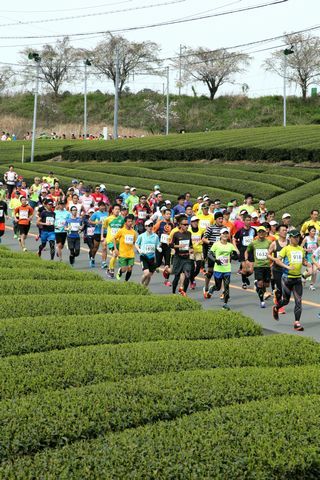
pixel 293 256
pixel 222 253
pixel 131 201
pixel 260 252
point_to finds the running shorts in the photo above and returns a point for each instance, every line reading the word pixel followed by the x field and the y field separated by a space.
pixel 262 273
pixel 148 263
pixel 126 262
pixel 61 237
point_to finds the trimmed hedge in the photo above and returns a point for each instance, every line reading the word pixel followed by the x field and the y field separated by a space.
pixel 17 262
pixel 301 193
pixel 56 418
pixel 38 334
pixel 67 304
pixel 43 287
pixel 36 372
pixel 276 438
pixel 41 272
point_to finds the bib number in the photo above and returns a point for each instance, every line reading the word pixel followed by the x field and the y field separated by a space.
pixel 246 241
pixel 184 245
pixel 149 248
pixel 23 214
pixel 1 213
pixel 296 257
pixel 164 238
pixel 224 260
pixel 128 239
pixel 114 231
pixel 261 254
pixel 49 221
pixel 90 231
pixel 74 227
pixel 142 215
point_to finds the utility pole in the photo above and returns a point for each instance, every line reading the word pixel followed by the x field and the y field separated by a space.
pixel 36 57
pixel 287 51
pixel 182 47
pixel 116 96
pixel 167 114
pixel 87 63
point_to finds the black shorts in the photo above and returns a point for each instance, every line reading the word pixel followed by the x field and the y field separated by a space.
pixel 61 237
pixel 24 229
pixel 148 263
pixel 97 237
pixel 262 273
pixel 180 265
pixel 241 256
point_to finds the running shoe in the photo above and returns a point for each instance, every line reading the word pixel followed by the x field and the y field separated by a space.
pixel 275 312
pixel 297 326
pixel 182 293
pixel 104 265
pixel 262 305
pixel 244 286
pixel 255 283
pixel 119 274
pixel 193 285
pixel 157 270
pixel 312 287
pixel 165 274
pixel 180 289
pixel 167 283
pixel 110 274
pixel 92 263
pixel 25 250
pixel 15 236
pixel 206 295
pixel 282 311
pixel 225 307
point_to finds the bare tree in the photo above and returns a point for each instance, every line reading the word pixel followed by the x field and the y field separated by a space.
pixel 303 66
pixel 213 68
pixel 58 64
pixel 133 56
pixel 6 78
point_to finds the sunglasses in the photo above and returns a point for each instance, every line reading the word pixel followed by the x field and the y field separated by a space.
pixel 185 224
pixel 150 225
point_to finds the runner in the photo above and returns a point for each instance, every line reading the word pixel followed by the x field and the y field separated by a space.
pixel 88 232
pixel 147 244
pixel 314 222
pixel 163 228
pixel 23 215
pixel 87 200
pixel 46 221
pixel 248 204
pixel 126 237
pixel 61 216
pixel 211 235
pixel 179 208
pixel 142 212
pixel 242 239
pixel 97 219
pixel 3 217
pixel 310 243
pixel 34 193
pixel 291 258
pixel 197 244
pixel 277 271
pixel 221 253
pixel 182 244
pixel 132 199
pixel 10 178
pixel 112 225
pixel 262 271
pixel 73 227
pixel 14 203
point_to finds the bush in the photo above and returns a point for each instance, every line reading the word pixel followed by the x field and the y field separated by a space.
pixel 43 287
pixel 38 334
pixel 42 272
pixel 259 440
pixel 66 304
pixel 36 372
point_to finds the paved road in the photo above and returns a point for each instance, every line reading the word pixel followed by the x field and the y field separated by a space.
pixel 241 300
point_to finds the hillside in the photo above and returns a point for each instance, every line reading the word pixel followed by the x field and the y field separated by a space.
pixel 145 112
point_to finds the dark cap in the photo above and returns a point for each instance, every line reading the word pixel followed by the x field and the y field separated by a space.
pixel 294 233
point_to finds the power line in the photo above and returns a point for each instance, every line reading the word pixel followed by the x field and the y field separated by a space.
pixel 160 24
pixel 66 9
pixel 85 15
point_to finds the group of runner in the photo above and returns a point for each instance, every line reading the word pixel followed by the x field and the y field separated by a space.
pixel 184 240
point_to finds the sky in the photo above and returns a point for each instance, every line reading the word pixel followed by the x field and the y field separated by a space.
pixel 215 32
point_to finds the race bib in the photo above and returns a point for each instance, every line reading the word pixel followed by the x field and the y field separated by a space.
pixel 164 238
pixel 261 253
pixel 128 239
pixel 224 260
pixel 311 248
pixel 196 238
pixel 90 231
pixel 1 213
pixel 246 241
pixel 204 223
pixel 184 245
pixel 114 230
pixel 49 221
pixel 296 257
pixel 60 223
pixel 74 227
pixel 142 214
pixel 149 248
pixel 23 214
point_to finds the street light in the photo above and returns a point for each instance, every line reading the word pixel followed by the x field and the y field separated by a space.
pixel 36 57
pixel 87 63
pixel 286 52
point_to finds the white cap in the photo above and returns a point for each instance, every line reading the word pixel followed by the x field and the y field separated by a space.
pixel 224 230
pixel 286 215
pixel 156 192
pixel 167 202
pixel 272 223
pixel 1 184
pixel 103 187
pixel 127 187
pixel 148 222
pixel 194 219
pixel 91 210
pixel 254 215
pixel 199 198
pixel 163 208
pixel 133 189
pixel 262 201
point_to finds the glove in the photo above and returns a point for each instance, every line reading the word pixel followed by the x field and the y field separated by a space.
pixel 234 255
pixel 218 262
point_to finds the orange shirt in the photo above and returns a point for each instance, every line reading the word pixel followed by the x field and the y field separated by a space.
pixel 230 225
pixel 23 214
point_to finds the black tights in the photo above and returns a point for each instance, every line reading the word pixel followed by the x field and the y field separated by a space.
pixel 74 249
pixel 52 249
pixel 226 287
pixel 185 282
pixel 196 266
pixel 292 285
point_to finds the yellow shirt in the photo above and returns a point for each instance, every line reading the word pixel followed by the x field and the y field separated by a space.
pixel 196 237
pixel 249 208
pixel 127 238
pixel 310 223
pixel 205 220
pixel 294 257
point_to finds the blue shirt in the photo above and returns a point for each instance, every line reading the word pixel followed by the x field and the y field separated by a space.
pixel 124 197
pixel 148 243
pixel 60 220
pixel 73 225
pixel 99 216
pixel 178 209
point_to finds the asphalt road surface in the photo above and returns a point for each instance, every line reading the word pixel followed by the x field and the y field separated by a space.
pixel 245 301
